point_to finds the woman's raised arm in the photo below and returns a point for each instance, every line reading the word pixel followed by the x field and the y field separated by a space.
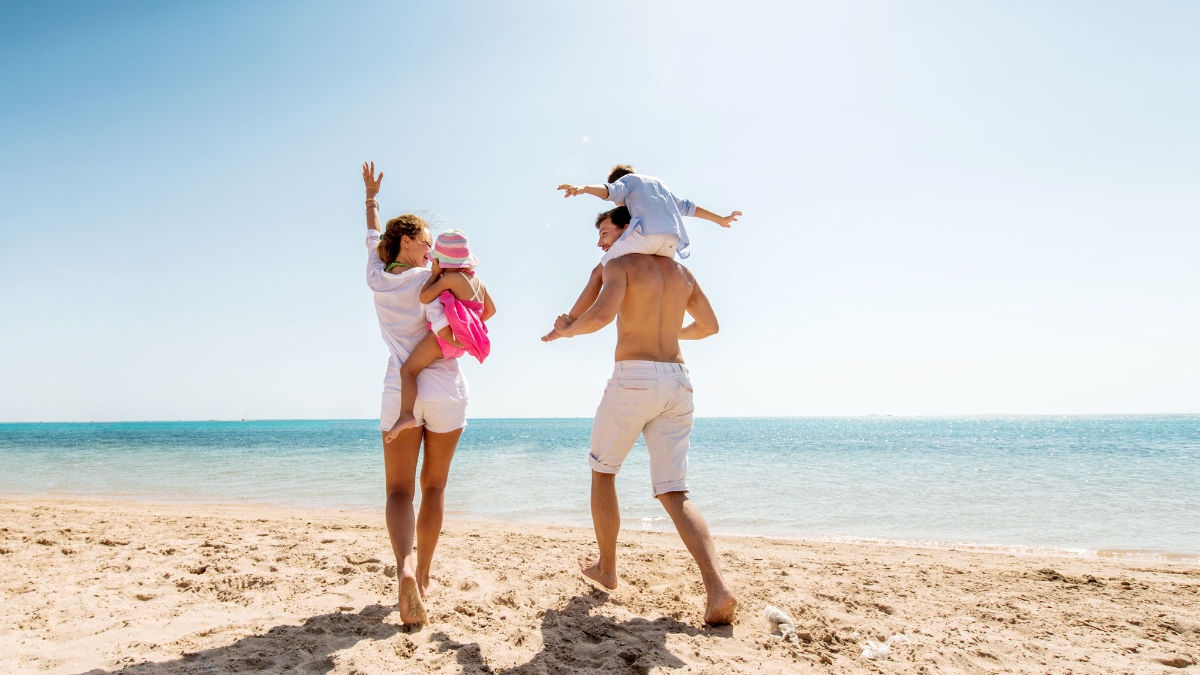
pixel 372 183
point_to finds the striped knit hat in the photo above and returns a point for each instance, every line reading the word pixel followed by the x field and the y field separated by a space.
pixel 452 252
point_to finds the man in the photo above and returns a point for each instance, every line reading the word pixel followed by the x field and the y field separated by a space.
pixel 649 394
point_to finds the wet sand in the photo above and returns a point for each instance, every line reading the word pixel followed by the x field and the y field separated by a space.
pixel 104 586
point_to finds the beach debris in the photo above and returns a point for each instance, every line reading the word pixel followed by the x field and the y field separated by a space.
pixel 785 624
pixel 878 651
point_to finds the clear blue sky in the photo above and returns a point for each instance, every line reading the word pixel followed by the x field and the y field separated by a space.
pixel 950 208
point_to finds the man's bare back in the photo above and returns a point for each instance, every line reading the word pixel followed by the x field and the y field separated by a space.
pixel 648 295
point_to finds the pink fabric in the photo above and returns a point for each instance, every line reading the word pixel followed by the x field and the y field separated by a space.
pixel 467 325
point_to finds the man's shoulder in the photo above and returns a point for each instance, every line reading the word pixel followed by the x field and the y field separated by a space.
pixel 638 262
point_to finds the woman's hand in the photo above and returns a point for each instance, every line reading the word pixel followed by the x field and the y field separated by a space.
pixel 370 180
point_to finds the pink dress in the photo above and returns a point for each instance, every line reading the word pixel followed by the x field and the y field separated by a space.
pixel 466 322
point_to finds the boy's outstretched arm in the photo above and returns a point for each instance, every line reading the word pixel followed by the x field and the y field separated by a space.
pixel 586 299
pixel 723 221
pixel 600 191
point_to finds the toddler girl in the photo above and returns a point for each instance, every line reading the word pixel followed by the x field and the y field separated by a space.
pixel 467 306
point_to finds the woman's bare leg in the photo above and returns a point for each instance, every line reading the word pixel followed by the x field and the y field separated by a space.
pixel 435 469
pixel 426 352
pixel 400 467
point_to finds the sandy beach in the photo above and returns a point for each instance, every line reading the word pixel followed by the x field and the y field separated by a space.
pixel 102 587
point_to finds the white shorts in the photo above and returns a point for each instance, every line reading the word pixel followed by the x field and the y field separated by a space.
pixel 440 417
pixel 636 242
pixel 651 399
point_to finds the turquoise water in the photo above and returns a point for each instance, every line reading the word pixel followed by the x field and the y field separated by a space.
pixel 1086 484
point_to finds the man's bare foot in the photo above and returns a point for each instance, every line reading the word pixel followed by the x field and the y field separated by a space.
pixel 429 587
pixel 412 610
pixel 721 608
pixel 591 570
pixel 406 421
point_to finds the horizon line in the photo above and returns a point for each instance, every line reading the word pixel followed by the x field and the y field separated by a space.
pixel 706 417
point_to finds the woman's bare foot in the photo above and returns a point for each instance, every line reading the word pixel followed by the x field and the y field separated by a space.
pixel 406 421
pixel 591 570
pixel 429 587
pixel 412 610
pixel 721 608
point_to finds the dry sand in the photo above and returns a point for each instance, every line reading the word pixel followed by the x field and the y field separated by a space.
pixel 100 587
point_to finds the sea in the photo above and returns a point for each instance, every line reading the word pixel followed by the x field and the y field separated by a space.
pixel 1107 486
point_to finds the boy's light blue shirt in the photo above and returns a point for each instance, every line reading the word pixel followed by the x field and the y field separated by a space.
pixel 652 207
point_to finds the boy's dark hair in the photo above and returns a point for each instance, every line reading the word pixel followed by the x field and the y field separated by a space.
pixel 620 217
pixel 619 170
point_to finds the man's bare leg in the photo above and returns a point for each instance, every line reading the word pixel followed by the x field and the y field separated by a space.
pixel 435 468
pixel 689 522
pixel 606 518
pixel 400 466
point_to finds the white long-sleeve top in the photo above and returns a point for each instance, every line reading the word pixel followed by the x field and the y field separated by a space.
pixel 404 322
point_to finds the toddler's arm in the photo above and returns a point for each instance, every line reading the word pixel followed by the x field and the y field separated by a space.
pixel 600 191
pixel 586 299
pixel 440 281
pixel 723 221
pixel 489 308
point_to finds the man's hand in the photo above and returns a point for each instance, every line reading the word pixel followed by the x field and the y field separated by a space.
pixel 571 190
pixel 730 219
pixel 560 324
pixel 370 181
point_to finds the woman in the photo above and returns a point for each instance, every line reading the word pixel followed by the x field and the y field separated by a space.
pixel 396 259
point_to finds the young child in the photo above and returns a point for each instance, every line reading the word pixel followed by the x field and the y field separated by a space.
pixel 649 219
pixel 656 225
pixel 467 306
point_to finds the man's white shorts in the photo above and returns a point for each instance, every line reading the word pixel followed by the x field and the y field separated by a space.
pixel 634 241
pixel 651 399
pixel 440 417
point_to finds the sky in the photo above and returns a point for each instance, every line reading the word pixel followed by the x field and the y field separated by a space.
pixel 950 208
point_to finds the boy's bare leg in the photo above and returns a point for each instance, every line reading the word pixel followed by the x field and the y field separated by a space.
pixel 606 519
pixel 427 352
pixel 586 299
pixel 689 522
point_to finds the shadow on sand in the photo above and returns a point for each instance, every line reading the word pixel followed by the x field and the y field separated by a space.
pixel 573 640
pixel 304 648
pixel 576 641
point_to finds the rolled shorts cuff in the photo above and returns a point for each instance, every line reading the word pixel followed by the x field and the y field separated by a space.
pixel 600 467
pixel 671 486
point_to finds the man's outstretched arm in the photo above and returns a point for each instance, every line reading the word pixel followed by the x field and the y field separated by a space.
pixel 586 299
pixel 704 319
pixel 604 310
